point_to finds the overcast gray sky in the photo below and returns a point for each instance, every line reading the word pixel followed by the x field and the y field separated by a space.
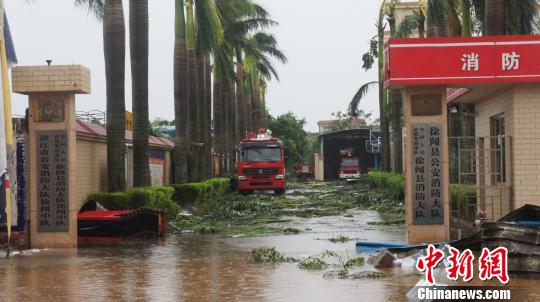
pixel 324 41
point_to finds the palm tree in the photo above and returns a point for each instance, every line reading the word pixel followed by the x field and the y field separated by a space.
pixel 196 34
pixel 358 96
pixel 114 37
pixel 241 20
pixel 404 30
pixel 495 17
pixel 200 35
pixel 240 17
pixel 208 117
pixel 138 26
pixel 258 50
pixel 376 52
pixel 180 94
pixel 510 17
pixel 209 33
pixel 193 94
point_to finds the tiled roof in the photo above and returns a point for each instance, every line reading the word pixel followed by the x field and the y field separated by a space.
pixel 99 130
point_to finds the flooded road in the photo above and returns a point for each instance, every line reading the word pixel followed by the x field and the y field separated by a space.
pixel 188 267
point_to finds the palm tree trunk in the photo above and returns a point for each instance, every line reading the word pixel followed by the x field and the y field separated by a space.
pixel 223 125
pixel 397 103
pixel 248 109
pixel 201 117
pixel 208 116
pixel 240 94
pixel 255 108
pixel 466 26
pixel 138 26
pixel 228 125
pixel 437 25
pixel 180 95
pixel 193 95
pixel 233 115
pixel 385 131
pixel 495 17
pixel 395 108
pixel 218 117
pixel 114 39
pixel 422 25
pixel 263 105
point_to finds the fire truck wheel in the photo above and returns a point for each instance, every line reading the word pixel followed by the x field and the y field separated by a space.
pixel 279 191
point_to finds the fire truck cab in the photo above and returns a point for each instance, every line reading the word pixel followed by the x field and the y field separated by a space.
pixel 261 163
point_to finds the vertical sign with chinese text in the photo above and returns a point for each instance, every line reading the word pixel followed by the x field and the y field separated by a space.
pixel 427 174
pixel 52 182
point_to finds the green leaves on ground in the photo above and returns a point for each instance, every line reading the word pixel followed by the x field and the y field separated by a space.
pixel 321 261
pixel 268 255
pixel 313 263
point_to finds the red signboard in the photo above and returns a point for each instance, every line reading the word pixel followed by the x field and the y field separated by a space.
pixel 450 61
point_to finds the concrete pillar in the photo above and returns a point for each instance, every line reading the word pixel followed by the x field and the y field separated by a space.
pixel 426 165
pixel 52 150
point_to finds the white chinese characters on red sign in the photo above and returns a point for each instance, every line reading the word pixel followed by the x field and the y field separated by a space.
pixel 471 61
pixel 510 61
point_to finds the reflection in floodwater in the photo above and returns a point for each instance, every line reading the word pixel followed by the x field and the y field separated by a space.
pixel 211 268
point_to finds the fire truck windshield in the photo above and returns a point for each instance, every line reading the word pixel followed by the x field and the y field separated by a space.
pixel 349 162
pixel 251 155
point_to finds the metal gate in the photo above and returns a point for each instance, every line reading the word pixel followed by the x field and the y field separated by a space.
pixel 480 177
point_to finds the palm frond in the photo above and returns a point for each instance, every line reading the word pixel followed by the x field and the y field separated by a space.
pixel 260 11
pixel 267 43
pixel 209 26
pixel 94 7
pixel 436 18
pixel 407 25
pixel 360 94
pixel 521 17
pixel 224 60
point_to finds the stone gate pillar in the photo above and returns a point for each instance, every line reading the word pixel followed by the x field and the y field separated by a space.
pixel 426 165
pixel 52 150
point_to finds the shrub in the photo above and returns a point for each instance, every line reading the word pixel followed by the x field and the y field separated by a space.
pixel 391 184
pixel 462 197
pixel 199 192
pixel 159 198
pixel 191 192
pixel 221 185
pixel 112 201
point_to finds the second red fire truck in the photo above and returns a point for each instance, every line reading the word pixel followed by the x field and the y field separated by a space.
pixel 261 163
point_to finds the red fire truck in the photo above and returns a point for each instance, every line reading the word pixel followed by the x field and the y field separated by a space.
pixel 350 165
pixel 304 170
pixel 261 163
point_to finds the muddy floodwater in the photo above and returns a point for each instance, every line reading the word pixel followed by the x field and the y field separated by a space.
pixel 189 267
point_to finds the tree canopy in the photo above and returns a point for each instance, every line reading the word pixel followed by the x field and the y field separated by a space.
pixel 290 129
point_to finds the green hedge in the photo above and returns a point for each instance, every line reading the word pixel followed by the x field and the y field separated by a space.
pixel 199 192
pixel 391 184
pixel 463 199
pixel 159 198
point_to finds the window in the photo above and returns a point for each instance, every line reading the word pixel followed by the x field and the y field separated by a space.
pixel 251 155
pixel 349 162
pixel 498 149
